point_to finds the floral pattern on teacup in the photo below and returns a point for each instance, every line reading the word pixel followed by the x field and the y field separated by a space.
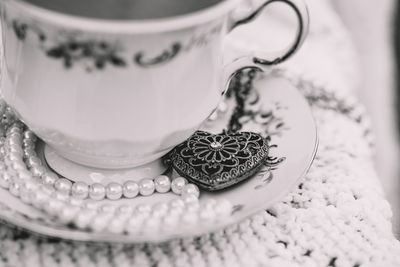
pixel 94 54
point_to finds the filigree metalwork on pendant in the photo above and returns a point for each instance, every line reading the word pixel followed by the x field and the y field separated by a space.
pixel 166 56
pixel 265 174
pixel 217 161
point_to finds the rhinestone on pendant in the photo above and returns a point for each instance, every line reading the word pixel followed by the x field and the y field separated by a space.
pixel 216 145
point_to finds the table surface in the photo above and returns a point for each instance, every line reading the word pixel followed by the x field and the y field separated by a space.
pixel 337 216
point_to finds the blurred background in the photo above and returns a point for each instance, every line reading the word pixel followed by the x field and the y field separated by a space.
pixel 375 32
pixel 352 46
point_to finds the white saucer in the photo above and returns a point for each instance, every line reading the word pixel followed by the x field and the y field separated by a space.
pixel 90 175
pixel 281 112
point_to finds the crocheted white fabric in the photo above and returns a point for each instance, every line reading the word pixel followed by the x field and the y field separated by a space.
pixel 337 216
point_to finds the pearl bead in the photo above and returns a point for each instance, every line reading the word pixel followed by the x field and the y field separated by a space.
pixel 14 130
pixel 190 198
pixel 32 161
pixel 7 118
pixel 97 191
pixel 38 170
pixel 125 210
pixel 170 220
pixel 134 224
pixel 190 189
pixel 27 143
pixel 130 189
pixel 114 191
pixel 209 203
pixel 14 188
pixel 20 125
pixel 5 179
pixel 189 217
pixel 18 165
pixel 25 197
pixel 30 135
pixel 116 225
pixel 67 213
pixel 80 190
pixel 13 156
pixel 24 175
pixel 13 174
pixel 162 183
pixel 176 211
pixel 107 208
pixel 8 162
pixel 29 152
pixel 63 185
pixel 151 224
pixel 92 204
pixel 13 141
pixel 100 222
pixel 29 186
pixel 2 152
pixel 143 209
pixel 16 149
pixel 63 196
pixel 47 189
pixel 159 209
pixel 84 217
pixel 177 203
pixel 49 178
pixel 38 198
pixel 178 184
pixel 192 206
pixel 206 215
pixel 16 138
pixel 53 206
pixel 146 187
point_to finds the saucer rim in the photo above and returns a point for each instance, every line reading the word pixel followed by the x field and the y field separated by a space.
pixel 94 237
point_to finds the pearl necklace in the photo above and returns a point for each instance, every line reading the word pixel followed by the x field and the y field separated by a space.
pixel 97 191
pixel 112 191
pixel 22 173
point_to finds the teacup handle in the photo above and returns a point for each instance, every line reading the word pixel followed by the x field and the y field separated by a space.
pixel 259 60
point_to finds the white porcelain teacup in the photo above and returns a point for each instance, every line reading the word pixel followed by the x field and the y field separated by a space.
pixel 119 94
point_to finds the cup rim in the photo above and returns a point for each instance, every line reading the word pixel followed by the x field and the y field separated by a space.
pixel 127 26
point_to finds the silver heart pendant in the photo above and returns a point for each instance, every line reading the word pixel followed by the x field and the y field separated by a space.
pixel 217 161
